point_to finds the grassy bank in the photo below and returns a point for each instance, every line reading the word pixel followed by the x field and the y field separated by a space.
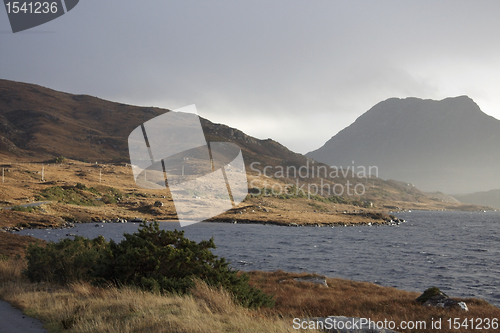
pixel 76 306
pixel 81 307
pixel 84 192
pixel 360 299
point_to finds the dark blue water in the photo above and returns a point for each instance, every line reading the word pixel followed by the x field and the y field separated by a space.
pixel 455 251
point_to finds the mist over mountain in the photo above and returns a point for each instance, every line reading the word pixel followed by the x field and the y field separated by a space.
pixel 448 145
pixel 488 198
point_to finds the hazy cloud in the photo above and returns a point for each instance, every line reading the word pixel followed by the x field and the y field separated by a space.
pixel 295 71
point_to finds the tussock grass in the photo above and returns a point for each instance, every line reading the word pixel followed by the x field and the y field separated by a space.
pixel 81 307
pixel 358 299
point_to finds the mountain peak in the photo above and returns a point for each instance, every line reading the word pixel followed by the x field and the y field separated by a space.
pixel 433 144
pixel 413 104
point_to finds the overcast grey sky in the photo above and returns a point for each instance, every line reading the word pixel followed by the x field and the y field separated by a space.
pixel 294 71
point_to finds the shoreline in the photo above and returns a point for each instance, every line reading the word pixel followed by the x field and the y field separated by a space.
pixel 70 225
pixel 276 222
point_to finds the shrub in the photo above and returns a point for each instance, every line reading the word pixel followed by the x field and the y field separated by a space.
pixel 364 204
pixel 108 199
pixel 429 293
pixel 76 195
pixel 80 186
pixel 80 194
pixel 151 259
pixel 337 199
pixel 22 209
pixel 66 261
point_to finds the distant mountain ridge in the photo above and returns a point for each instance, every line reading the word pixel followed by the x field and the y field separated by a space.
pixel 448 145
pixel 489 198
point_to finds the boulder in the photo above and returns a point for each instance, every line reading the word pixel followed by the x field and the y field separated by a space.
pixel 313 279
pixel 158 204
pixel 436 298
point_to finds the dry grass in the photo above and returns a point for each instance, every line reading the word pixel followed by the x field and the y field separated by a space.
pixel 84 308
pixel 357 299
pixel 23 184
pixel 12 245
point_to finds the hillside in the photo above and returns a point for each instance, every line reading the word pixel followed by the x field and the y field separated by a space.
pixel 449 145
pixel 487 198
pixel 38 123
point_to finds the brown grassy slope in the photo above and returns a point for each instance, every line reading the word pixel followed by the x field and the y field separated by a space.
pixel 12 245
pixel 37 122
pixel 41 122
pixel 83 308
pixel 10 218
pixel 358 299
pixel 23 184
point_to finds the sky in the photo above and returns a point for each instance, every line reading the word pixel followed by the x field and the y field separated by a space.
pixel 294 71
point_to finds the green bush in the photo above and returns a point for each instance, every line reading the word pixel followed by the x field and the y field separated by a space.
pixel 318 207
pixel 80 194
pixel 152 259
pixel 66 261
pixel 28 209
pixel 337 199
pixel 75 195
pixel 80 186
pixel 429 293
pixel 108 199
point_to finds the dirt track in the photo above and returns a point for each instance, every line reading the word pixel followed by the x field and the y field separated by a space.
pixel 14 321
